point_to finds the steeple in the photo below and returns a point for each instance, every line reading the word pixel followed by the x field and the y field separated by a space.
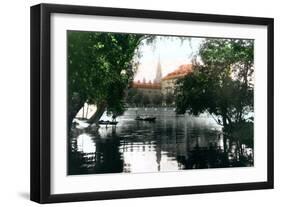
pixel 158 76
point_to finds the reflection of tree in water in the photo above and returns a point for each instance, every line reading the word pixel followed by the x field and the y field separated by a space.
pixel 232 154
pixel 171 143
pixel 74 157
pixel 105 159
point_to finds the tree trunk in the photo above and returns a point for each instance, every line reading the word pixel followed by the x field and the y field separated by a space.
pixel 224 122
pixel 96 117
pixel 87 111
pixel 225 126
pixel 73 108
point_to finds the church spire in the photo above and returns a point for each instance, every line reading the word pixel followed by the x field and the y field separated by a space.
pixel 158 76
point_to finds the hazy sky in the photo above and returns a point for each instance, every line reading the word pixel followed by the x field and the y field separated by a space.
pixel 172 53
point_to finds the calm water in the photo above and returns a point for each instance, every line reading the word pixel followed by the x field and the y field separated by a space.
pixel 170 143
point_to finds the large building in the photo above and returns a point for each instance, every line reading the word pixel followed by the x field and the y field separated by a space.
pixel 149 88
pixel 168 83
pixel 161 86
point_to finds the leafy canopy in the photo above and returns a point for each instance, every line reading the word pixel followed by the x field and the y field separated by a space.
pixel 221 82
pixel 100 65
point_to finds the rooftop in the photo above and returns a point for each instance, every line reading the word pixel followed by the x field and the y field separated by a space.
pixel 181 71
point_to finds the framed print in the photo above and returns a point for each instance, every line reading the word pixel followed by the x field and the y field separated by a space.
pixel 132 103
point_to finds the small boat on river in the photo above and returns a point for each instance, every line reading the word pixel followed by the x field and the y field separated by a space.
pixel 102 122
pixel 146 118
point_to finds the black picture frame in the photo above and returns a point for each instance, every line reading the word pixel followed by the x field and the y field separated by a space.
pixel 41 96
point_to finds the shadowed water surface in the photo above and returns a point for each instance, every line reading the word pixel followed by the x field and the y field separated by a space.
pixel 170 143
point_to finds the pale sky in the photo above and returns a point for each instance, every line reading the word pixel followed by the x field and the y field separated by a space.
pixel 172 52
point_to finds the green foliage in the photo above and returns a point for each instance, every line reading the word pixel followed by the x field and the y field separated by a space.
pixel 130 97
pixel 242 131
pixel 169 99
pixel 221 82
pixel 141 99
pixel 146 100
pixel 157 99
pixel 100 66
pixel 138 99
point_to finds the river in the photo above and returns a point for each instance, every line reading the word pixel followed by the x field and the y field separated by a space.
pixel 171 143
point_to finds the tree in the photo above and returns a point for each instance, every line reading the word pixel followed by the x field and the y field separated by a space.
pixel 169 99
pixel 131 94
pixel 221 82
pixel 146 100
pixel 138 98
pixel 157 99
pixel 100 66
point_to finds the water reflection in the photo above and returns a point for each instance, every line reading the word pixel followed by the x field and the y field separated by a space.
pixel 170 143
